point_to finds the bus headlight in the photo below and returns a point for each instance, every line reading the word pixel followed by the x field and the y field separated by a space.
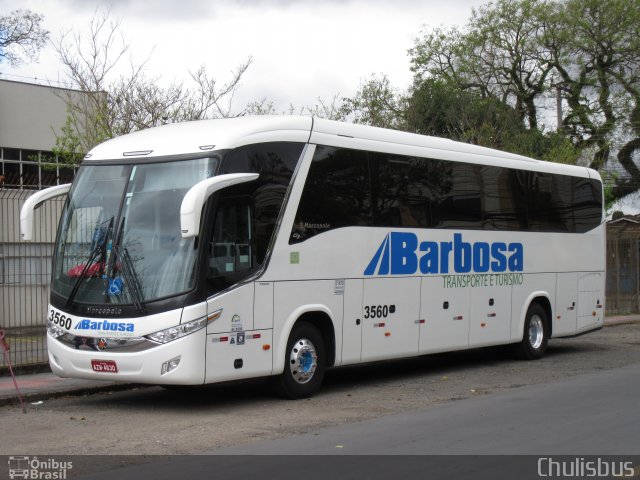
pixel 55 330
pixel 173 333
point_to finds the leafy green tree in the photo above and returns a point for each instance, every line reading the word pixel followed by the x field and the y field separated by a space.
pixel 68 148
pixel 498 54
pixel 602 49
pixel 376 103
pixel 520 52
pixel 439 108
pixel 595 50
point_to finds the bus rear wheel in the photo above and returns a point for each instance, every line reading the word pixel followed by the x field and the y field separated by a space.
pixel 536 334
pixel 304 364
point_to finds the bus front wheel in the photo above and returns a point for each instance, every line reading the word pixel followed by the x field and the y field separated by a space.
pixel 304 363
pixel 536 334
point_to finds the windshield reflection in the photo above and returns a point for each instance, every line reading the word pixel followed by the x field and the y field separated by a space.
pixel 145 257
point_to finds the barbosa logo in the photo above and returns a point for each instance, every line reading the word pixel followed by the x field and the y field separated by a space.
pixel 400 253
pixel 104 325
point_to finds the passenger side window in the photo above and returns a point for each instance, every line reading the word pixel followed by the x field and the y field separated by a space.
pixel 405 190
pixel 358 188
pixel 461 205
pixel 336 194
pixel 275 162
pixel 587 204
pixel 544 211
pixel 231 245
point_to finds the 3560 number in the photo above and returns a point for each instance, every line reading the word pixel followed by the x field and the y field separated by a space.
pixel 59 319
pixel 378 311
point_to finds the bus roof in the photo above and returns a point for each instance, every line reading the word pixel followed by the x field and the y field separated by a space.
pixel 201 136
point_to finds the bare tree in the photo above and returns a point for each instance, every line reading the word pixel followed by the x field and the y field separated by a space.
pixel 333 109
pixel 113 103
pixel 21 37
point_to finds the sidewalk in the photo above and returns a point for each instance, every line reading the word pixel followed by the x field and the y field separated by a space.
pixel 42 386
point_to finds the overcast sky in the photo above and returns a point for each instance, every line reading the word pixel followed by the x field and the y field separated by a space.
pixel 301 49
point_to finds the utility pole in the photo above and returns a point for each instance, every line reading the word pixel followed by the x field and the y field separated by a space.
pixel 557 86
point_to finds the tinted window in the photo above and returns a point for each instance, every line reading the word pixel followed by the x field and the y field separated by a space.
pixel 504 193
pixel 232 237
pixel 276 163
pixel 356 188
pixel 407 191
pixel 460 206
pixel 337 193
pixel 587 204
pixel 545 211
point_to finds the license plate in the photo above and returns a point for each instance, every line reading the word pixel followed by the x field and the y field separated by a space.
pixel 104 366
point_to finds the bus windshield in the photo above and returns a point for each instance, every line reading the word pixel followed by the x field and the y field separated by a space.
pixel 120 240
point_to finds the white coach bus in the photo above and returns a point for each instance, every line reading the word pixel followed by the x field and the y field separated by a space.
pixel 281 246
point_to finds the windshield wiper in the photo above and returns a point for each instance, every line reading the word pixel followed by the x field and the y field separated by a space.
pixel 127 269
pixel 98 249
pixel 130 277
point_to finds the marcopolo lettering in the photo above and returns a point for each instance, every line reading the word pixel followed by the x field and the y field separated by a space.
pixel 104 325
pixel 400 253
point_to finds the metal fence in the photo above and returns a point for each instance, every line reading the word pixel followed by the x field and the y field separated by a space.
pixel 25 273
pixel 623 268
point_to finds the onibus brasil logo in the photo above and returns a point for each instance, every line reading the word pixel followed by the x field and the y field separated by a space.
pixel 400 253
pixel 38 469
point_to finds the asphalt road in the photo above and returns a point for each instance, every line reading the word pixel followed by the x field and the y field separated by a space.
pixel 585 418
pixel 592 414
pixel 582 398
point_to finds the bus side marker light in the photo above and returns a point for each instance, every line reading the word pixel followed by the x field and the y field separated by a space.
pixel 387 334
pixel 483 324
pixel 266 347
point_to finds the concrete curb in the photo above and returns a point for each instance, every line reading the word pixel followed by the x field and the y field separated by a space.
pixel 621 320
pixel 55 387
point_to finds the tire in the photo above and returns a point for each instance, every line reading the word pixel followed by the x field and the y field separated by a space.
pixel 535 336
pixel 304 363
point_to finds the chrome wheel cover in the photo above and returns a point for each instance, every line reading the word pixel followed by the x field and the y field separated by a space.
pixel 303 361
pixel 536 332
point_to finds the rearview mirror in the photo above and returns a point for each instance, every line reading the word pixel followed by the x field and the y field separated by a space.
pixel 194 200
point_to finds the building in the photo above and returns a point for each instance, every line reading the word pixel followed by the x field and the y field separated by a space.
pixel 30 117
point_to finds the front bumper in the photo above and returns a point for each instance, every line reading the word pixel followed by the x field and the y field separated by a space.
pixel 134 367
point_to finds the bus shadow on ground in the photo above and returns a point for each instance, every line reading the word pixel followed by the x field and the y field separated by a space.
pixel 248 392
